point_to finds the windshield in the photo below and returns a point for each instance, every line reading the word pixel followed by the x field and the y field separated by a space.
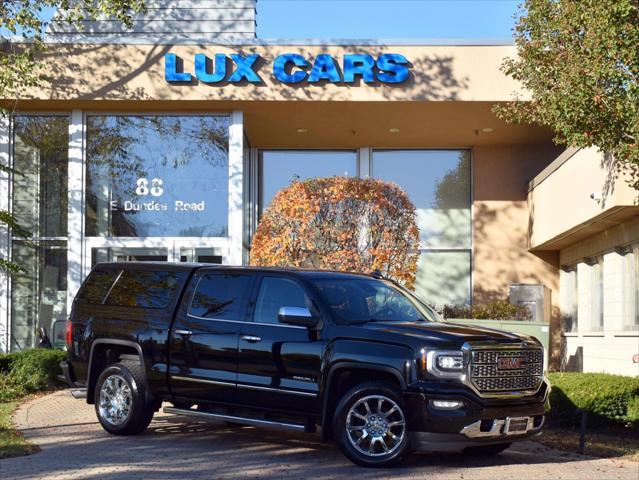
pixel 362 300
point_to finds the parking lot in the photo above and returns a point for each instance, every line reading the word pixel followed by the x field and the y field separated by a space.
pixel 74 446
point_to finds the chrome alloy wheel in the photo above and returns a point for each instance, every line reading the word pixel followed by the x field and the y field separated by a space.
pixel 375 425
pixel 115 400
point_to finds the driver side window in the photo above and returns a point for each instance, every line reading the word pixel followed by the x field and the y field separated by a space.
pixel 277 292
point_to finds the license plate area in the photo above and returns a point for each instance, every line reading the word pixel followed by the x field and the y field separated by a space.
pixel 516 425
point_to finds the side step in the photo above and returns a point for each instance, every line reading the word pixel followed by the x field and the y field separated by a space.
pixel 255 422
pixel 79 392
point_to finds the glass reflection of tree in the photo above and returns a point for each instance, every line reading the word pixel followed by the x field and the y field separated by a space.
pixel 121 146
pixel 453 189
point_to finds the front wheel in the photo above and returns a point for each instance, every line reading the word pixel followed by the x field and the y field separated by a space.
pixel 120 399
pixel 370 425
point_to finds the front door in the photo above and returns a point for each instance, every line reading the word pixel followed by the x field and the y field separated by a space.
pixel 278 364
pixel 204 337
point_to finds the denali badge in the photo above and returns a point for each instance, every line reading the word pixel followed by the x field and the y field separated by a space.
pixel 510 363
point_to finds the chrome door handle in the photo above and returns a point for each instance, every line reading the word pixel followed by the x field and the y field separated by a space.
pixel 179 331
pixel 251 338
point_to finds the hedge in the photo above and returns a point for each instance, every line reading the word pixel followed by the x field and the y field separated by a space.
pixel 609 399
pixel 28 371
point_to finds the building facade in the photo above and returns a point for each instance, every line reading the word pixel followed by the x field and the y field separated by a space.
pixel 166 142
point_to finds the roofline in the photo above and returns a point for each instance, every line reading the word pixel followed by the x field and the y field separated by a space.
pixel 243 41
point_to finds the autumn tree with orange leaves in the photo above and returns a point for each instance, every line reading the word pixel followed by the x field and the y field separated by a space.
pixel 347 224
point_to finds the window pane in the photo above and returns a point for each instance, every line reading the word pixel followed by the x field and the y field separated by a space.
pixel 221 296
pixel 276 293
pixel 438 183
pixel 150 176
pixel 443 278
pixel 279 168
pixel 145 289
pixel 569 296
pixel 39 295
pixel 97 286
pixel 41 156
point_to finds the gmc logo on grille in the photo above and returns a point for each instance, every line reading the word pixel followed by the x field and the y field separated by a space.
pixel 510 363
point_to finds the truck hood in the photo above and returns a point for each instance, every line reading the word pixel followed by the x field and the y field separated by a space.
pixel 448 334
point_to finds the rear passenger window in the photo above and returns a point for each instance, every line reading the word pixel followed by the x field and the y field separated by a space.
pixel 145 289
pixel 221 296
pixel 97 286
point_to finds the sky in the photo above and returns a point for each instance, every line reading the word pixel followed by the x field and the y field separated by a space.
pixel 384 19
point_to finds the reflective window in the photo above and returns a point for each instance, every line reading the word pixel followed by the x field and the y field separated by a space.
pixel 279 168
pixel 221 296
pixel 150 176
pixel 569 298
pixel 41 158
pixel 145 289
pixel 438 183
pixel 275 293
pixel 97 286
pixel 39 294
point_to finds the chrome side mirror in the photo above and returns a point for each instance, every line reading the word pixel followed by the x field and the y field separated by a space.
pixel 298 316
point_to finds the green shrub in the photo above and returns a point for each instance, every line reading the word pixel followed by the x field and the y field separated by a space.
pixel 497 310
pixel 28 371
pixel 609 399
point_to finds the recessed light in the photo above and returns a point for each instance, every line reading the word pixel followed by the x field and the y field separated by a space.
pixel 393 130
pixel 487 130
pixel 302 130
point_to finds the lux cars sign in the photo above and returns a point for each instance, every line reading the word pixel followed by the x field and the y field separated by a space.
pixel 291 68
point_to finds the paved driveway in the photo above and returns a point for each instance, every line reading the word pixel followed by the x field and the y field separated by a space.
pixel 75 446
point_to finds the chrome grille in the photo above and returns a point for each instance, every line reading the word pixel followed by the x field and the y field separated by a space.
pixel 488 378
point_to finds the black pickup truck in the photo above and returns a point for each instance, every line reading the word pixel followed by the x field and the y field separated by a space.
pixel 356 356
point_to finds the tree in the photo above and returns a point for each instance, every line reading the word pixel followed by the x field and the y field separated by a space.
pixel 338 223
pixel 20 66
pixel 579 59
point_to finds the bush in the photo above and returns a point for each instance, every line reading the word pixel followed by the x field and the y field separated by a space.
pixel 497 310
pixel 609 399
pixel 28 371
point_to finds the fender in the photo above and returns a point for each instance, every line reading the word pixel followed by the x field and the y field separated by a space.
pixel 110 341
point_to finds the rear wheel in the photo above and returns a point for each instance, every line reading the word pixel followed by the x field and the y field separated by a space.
pixel 120 399
pixel 370 425
pixel 487 450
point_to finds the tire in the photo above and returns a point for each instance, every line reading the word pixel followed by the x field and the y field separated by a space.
pixel 373 440
pixel 487 450
pixel 120 399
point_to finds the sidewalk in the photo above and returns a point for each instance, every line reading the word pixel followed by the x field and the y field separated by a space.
pixel 74 446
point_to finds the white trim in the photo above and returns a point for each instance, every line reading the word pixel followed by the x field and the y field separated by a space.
pixel 236 188
pixel 75 220
pixel 364 158
pixel 5 146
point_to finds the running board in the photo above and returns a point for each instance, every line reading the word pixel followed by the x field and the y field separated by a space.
pixel 255 422
pixel 79 393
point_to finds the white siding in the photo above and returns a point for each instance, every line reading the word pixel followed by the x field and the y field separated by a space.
pixel 165 22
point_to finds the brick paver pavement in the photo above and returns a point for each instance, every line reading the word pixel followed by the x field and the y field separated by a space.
pixel 74 446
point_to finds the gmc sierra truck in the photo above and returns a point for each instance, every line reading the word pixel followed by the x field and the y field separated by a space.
pixel 357 357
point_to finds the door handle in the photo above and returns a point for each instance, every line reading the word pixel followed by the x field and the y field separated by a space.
pixel 251 338
pixel 179 331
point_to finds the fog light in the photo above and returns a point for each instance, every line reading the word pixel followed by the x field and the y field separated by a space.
pixel 447 404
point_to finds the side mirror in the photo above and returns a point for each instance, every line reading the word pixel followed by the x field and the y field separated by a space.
pixel 301 317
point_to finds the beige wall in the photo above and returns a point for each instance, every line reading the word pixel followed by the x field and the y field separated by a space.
pixel 501 254
pixel 561 208
pixel 136 72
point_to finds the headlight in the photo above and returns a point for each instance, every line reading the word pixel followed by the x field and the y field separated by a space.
pixel 443 364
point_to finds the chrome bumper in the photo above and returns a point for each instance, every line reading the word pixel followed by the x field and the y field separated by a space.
pixel 503 428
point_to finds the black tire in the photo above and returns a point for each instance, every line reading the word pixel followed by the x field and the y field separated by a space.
pixel 354 399
pixel 487 450
pixel 139 414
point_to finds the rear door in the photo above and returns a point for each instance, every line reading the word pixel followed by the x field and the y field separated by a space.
pixel 204 337
pixel 279 364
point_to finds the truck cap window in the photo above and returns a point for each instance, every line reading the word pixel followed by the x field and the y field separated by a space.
pixel 275 293
pixel 145 289
pixel 221 296
pixel 97 286
pixel 364 300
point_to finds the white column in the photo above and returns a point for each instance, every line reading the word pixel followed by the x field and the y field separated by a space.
pixel 365 162
pixel 5 321
pixel 76 205
pixel 236 188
